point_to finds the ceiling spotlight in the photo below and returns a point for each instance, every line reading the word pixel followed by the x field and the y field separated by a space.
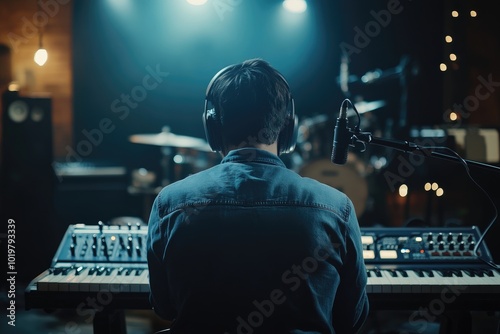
pixel 295 6
pixel 197 2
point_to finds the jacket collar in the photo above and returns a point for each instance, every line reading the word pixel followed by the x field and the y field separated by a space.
pixel 252 155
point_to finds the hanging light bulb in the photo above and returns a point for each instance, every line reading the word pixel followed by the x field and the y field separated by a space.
pixel 41 54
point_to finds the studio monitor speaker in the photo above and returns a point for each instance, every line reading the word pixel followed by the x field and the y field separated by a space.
pixel 27 153
pixel 27 181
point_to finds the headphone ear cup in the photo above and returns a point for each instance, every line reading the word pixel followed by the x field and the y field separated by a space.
pixel 213 129
pixel 288 135
pixel 287 138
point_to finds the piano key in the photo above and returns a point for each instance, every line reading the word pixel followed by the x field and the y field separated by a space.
pixel 75 284
pixel 63 284
pixel 119 281
pixel 60 281
pixel 130 279
pixel 44 283
pixel 377 283
pixel 85 279
pixel 110 281
pixel 96 281
pixel 145 281
pixel 485 283
pixel 116 279
pixel 395 285
pixel 403 273
pixel 402 283
pixel 141 281
pixel 415 285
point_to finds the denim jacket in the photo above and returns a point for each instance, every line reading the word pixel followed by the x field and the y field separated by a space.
pixel 249 246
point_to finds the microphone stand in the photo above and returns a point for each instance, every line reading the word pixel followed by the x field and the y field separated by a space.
pixel 410 147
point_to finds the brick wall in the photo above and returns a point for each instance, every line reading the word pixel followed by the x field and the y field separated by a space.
pixel 20 22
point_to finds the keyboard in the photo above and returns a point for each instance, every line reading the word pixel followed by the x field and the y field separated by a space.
pixel 406 267
pixel 87 169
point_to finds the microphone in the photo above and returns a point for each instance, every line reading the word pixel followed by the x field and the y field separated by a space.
pixel 341 137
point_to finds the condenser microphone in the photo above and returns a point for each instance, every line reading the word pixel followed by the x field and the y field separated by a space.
pixel 341 137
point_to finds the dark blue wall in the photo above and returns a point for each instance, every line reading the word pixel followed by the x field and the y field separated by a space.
pixel 115 44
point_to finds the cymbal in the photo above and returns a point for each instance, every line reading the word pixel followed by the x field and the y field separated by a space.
pixel 169 139
pixel 364 106
pixel 315 120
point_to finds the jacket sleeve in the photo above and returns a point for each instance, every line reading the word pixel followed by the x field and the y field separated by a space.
pixel 158 280
pixel 351 304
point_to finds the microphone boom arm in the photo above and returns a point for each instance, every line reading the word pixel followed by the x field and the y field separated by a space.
pixel 410 147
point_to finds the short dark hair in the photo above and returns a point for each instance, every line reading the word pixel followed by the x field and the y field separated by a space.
pixel 251 99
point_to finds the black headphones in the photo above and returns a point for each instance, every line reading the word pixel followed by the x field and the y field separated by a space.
pixel 213 125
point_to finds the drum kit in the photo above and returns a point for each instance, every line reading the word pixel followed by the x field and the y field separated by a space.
pixel 184 155
pixel 181 155
pixel 314 148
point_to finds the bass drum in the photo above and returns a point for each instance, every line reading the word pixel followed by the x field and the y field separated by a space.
pixel 348 178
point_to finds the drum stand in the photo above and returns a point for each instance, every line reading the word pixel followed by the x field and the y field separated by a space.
pixel 166 165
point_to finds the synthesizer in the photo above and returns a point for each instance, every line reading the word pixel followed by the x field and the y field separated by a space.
pixel 92 259
pixel 412 267
pixel 405 267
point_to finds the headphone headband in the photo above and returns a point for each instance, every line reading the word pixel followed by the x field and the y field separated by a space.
pixel 213 126
pixel 215 77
